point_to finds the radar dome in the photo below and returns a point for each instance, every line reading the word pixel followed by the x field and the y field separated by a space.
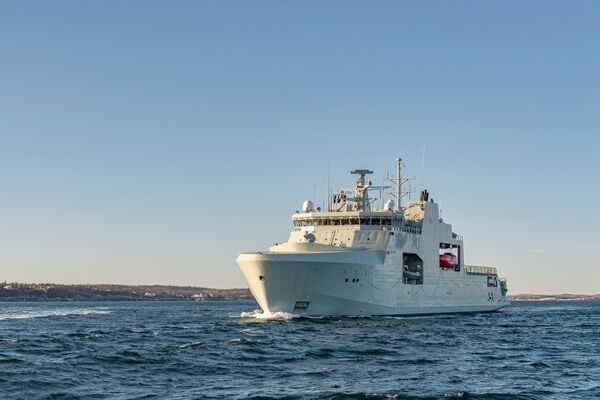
pixel 307 206
pixel 389 205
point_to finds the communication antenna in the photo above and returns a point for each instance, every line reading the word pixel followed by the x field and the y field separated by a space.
pixel 399 182
pixel 382 192
pixel 423 170
pixel 328 185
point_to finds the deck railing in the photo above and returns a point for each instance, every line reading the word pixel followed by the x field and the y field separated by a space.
pixel 457 237
pixel 410 229
pixel 480 270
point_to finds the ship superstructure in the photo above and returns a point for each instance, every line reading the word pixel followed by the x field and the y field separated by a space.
pixel 356 259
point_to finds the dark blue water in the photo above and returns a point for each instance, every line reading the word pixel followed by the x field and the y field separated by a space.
pixel 186 350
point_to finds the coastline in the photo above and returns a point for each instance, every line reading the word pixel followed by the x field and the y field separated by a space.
pixel 553 297
pixel 15 291
pixel 111 292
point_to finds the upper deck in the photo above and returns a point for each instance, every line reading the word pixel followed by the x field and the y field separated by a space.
pixel 347 218
pixel 350 213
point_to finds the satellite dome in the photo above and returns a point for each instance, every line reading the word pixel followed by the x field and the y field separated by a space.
pixel 307 206
pixel 389 205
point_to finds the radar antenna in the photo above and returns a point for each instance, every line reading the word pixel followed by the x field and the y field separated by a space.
pixel 361 196
pixel 362 173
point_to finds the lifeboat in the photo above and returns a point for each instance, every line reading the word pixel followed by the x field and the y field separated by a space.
pixel 448 261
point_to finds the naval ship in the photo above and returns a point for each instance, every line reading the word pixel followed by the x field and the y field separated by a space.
pixel 354 259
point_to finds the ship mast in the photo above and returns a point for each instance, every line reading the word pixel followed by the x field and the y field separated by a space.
pixel 399 183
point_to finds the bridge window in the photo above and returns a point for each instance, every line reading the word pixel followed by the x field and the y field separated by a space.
pixel 332 221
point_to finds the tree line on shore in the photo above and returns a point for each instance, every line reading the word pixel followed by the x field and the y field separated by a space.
pixel 16 291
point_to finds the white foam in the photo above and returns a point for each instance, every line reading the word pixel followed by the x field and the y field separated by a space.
pixel 33 313
pixel 261 315
pixel 240 340
pixel 187 345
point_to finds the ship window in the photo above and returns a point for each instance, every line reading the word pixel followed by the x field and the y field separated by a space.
pixel 365 221
pixel 376 221
pixel 345 221
pixel 387 221
pixel 354 221
pixel 335 221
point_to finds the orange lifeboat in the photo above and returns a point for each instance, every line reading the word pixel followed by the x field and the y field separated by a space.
pixel 448 261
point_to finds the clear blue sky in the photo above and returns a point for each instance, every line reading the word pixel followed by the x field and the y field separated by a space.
pixel 151 142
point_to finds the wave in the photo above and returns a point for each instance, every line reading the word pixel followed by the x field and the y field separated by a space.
pixel 188 345
pixel 27 314
pixel 397 396
pixel 241 341
pixel 261 315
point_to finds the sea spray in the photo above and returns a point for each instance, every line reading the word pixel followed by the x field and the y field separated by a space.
pixel 262 315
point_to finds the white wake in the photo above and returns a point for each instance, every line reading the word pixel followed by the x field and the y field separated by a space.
pixel 261 315
pixel 26 314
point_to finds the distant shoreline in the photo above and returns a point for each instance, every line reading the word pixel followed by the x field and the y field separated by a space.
pixel 107 292
pixel 15 291
pixel 549 297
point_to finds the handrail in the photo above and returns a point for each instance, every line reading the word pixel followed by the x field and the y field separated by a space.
pixel 410 229
pixel 480 270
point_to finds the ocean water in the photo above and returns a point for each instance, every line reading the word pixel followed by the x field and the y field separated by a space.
pixel 226 350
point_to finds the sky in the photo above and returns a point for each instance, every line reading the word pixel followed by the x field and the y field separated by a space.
pixel 153 141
